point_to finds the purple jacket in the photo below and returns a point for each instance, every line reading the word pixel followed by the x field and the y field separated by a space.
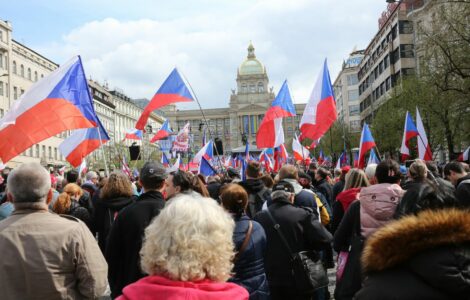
pixel 378 204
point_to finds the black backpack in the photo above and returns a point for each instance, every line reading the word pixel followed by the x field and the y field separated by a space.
pixel 256 201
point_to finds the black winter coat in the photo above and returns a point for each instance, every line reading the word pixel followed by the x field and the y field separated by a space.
pixel 125 240
pixel 419 257
pixel 326 189
pixel 106 211
pixel 302 231
pixel 462 191
pixel 248 270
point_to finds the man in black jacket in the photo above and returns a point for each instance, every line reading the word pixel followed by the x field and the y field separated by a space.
pixel 258 193
pixel 455 173
pixel 302 230
pixel 323 186
pixel 125 237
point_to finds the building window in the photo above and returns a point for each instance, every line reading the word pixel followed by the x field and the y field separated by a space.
pixel 22 92
pixel 37 151
pixel 252 88
pixel 42 75
pixel 354 110
pixel 15 93
pixel 31 151
pixel 260 87
pixel 352 79
pixel 405 27
pixel 355 125
pixel 1 88
pixel 44 154
pixel 22 71
pixel 29 73
pixel 50 152
pixel 1 60
pixel 386 62
pixel 394 32
pixel 406 51
pixel 15 71
pixel 394 56
pixel 353 95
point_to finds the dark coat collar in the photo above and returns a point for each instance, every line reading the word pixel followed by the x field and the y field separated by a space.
pixel 398 241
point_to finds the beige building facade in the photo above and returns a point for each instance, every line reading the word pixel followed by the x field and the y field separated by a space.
pixel 346 89
pixel 239 121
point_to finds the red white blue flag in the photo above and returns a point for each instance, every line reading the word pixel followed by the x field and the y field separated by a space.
pixel 206 152
pixel 58 102
pixel 320 112
pixel 133 134
pixel 163 133
pixel 270 133
pixel 367 143
pixel 174 89
pixel 83 142
pixel 410 131
pixel 424 149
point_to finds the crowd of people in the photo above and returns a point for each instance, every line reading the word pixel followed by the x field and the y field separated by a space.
pixel 391 232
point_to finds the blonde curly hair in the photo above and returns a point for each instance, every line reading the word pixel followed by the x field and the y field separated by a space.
pixel 190 240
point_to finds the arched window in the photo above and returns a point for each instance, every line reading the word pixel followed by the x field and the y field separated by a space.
pixel 15 71
pixel 252 88
pixel 244 88
pixel 260 87
pixel 35 75
pixel 29 73
pixel 22 71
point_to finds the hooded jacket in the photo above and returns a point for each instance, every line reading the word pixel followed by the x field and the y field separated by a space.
pixel 157 287
pixel 419 257
pixel 256 188
pixel 106 211
pixel 378 204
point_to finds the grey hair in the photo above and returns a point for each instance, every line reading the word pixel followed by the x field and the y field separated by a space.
pixel 90 175
pixel 29 182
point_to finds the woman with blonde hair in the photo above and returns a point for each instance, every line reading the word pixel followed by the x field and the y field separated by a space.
pixel 187 252
pixel 355 180
pixel 67 204
pixel 250 244
pixel 115 194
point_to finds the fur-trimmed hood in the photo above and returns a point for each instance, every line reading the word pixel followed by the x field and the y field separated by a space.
pixel 399 241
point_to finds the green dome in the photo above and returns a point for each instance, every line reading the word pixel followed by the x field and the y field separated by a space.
pixel 251 65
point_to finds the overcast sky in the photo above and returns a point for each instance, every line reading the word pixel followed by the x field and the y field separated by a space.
pixel 134 45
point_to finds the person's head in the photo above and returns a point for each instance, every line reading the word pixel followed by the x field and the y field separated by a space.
pixel 267 180
pixel 313 166
pixel 190 240
pixel 181 182
pixel 370 173
pixel 71 192
pixel 304 180
pixel 432 167
pixel 321 174
pixel 152 176
pixel 355 178
pixel 92 176
pixel 337 173
pixel 430 196
pixel 283 190
pixel 234 199
pixel 418 171
pixel 233 173
pixel 453 171
pixel 253 170
pixel 29 184
pixel 388 171
pixel 213 179
pixel 118 185
pixel 288 172
pixel 71 176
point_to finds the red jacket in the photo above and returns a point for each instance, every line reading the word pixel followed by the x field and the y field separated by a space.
pixel 347 197
pixel 157 287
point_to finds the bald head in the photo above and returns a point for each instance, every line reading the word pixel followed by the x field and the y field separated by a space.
pixel 29 183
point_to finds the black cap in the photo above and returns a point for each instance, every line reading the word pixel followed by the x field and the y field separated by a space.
pixel 232 172
pixel 283 186
pixel 153 171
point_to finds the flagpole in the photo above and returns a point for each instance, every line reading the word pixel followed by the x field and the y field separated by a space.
pixel 102 152
pixel 205 120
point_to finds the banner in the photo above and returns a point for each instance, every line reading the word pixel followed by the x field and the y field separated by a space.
pixel 181 143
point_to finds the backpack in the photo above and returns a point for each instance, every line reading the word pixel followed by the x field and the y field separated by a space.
pixel 256 201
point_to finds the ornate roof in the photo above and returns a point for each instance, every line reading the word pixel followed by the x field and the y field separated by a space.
pixel 251 65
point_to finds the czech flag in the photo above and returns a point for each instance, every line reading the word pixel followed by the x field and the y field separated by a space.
pixel 280 157
pixel 83 142
pixel 320 112
pixel 424 149
pixel 464 155
pixel 133 134
pixel 206 152
pixel 163 133
pixel 321 157
pixel 373 159
pixel 125 167
pixel 367 143
pixel 205 168
pixel 270 133
pixel 174 89
pixel 264 158
pixel 409 132
pixel 300 152
pixel 60 101
pixel 83 168
pixel 164 160
pixel 247 152
pixel 342 160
